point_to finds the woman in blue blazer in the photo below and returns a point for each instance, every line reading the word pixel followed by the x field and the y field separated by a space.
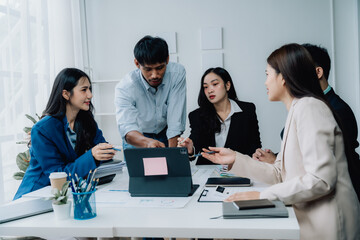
pixel 67 138
pixel 222 120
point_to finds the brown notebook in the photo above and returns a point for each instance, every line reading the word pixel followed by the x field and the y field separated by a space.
pixel 252 204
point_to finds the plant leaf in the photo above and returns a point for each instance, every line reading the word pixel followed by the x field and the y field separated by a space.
pixel 55 191
pixel 60 198
pixel 65 187
pixel 30 118
pixel 28 157
pixel 22 161
pixel 18 175
pixel 21 156
pixel 27 129
pixel 38 116
pixel 64 201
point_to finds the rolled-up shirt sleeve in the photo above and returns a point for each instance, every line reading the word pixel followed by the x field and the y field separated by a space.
pixel 176 116
pixel 139 107
pixel 126 111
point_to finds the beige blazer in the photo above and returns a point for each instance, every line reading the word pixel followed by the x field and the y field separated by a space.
pixel 311 173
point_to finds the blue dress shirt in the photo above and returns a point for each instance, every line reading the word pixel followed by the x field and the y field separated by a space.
pixel 51 151
pixel 142 108
pixel 71 135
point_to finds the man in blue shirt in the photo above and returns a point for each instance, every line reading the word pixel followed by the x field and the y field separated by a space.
pixel 151 100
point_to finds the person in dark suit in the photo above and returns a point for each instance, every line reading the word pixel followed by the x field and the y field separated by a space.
pixel 67 138
pixel 343 113
pixel 221 120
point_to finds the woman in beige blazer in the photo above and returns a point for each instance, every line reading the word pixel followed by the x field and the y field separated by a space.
pixel 311 171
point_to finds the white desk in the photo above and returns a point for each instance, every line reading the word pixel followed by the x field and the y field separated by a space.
pixel 192 221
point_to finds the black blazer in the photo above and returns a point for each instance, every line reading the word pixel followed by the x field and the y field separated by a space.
pixel 346 117
pixel 243 136
pixel 350 133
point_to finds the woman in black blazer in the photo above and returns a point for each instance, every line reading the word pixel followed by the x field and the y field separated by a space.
pixel 221 120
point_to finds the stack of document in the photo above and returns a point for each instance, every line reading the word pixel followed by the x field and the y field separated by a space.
pixel 109 168
pixel 230 211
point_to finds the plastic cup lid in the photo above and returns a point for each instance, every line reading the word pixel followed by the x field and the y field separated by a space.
pixel 55 175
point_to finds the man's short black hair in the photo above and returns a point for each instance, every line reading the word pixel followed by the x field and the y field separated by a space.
pixel 320 56
pixel 151 50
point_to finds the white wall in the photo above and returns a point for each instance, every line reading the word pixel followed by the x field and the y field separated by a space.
pixel 252 29
pixel 346 62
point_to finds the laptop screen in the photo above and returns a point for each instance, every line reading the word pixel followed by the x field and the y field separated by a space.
pixel 158 171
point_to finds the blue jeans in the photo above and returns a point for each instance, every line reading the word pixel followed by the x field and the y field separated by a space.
pixel 161 136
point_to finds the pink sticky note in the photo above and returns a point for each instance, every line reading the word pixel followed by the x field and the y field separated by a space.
pixel 155 166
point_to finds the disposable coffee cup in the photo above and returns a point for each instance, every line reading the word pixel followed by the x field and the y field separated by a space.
pixel 57 179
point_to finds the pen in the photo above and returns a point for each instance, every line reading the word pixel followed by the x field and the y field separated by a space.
pixel 93 175
pixel 80 185
pixel 76 178
pixel 88 180
pixel 88 177
pixel 182 141
pixel 96 182
pixel 89 186
pixel 117 149
pixel 72 182
pixel 199 154
pixel 72 187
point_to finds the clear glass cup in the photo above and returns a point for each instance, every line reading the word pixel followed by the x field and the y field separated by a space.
pixel 224 170
pixel 84 205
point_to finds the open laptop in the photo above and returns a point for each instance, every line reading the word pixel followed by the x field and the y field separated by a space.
pixel 159 172
pixel 18 210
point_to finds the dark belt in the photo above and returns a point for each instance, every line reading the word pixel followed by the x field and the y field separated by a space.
pixel 157 135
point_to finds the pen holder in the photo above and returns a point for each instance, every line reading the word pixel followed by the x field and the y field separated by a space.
pixel 84 205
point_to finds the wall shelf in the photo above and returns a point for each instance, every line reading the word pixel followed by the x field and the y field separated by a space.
pixel 104 114
pixel 98 81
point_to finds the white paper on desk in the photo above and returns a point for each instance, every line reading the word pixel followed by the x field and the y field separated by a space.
pixel 209 194
pixel 159 202
pixel 112 198
pixel 122 198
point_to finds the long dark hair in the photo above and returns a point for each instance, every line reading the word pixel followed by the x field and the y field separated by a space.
pixel 295 56
pixel 207 109
pixel 85 126
pixel 295 64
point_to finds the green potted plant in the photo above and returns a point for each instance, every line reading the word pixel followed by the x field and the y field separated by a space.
pixel 60 202
pixel 23 158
